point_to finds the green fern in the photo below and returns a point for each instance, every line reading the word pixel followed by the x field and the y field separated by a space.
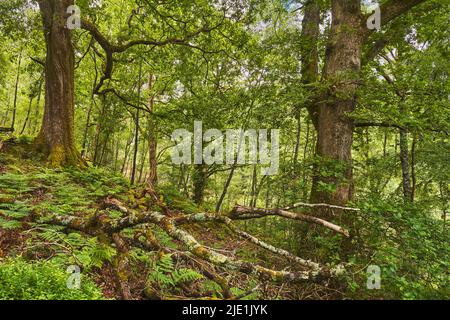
pixel 9 224
pixel 16 210
pixel 165 275
pixel 185 275
pixel 209 285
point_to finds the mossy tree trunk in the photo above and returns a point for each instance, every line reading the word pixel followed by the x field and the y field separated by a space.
pixel 333 181
pixel 199 179
pixel 56 137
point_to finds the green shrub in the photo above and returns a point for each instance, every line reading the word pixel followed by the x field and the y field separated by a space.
pixel 21 280
pixel 25 139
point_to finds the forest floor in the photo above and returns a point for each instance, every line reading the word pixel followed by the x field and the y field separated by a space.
pixel 29 189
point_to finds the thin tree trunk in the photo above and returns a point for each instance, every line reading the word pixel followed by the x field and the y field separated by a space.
pixel 143 161
pixel 127 152
pixel 38 104
pixel 16 91
pixel 404 160
pixel 116 156
pixel 152 179
pixel 136 130
pixel 86 129
pixel 104 148
pixel 8 105
pixel 88 117
pixel 413 168
pixel 443 190
pixel 297 140
pixel 28 115
pixel 98 131
pixel 305 154
pixel 254 186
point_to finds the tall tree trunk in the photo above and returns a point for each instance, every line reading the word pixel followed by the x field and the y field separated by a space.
pixel 56 138
pixel 335 129
pixel 152 179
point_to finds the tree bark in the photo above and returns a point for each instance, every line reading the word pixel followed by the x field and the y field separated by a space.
pixel 341 76
pixel 152 179
pixel 38 103
pixel 310 54
pixel 56 137
pixel 136 129
pixel 199 180
pixel 332 181
pixel 413 168
pixel 16 90
pixel 298 135
pixel 404 159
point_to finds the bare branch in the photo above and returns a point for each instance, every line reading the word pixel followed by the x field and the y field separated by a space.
pixel 316 205
pixel 245 213
pixel 205 217
pixel 111 48
pixel 391 10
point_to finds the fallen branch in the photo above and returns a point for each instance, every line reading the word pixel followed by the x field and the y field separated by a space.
pixel 245 213
pixel 122 266
pixel 318 205
pixel 150 243
pixel 2 129
pixel 101 224
pixel 204 217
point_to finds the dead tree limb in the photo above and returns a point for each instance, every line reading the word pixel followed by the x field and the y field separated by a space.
pixel 315 205
pixel 245 213
pixel 122 267
pixel 101 224
pixel 204 217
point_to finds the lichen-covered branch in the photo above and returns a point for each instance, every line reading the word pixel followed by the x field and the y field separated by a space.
pixel 203 217
pixel 318 205
pixel 101 224
pixel 122 266
pixel 245 213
